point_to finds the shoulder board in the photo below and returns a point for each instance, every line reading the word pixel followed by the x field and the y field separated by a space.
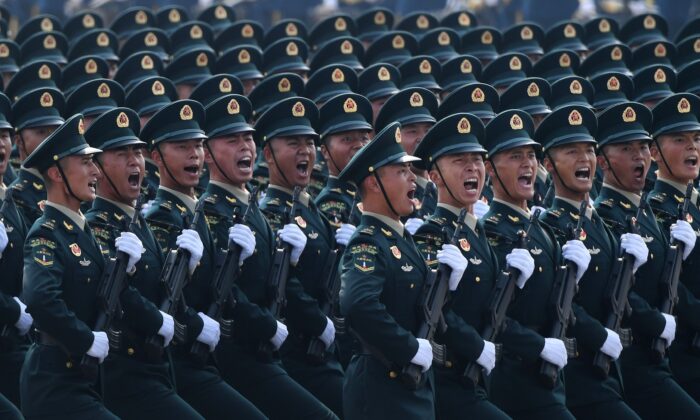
pixel 18 187
pixel 102 215
pixel 337 190
pixel 440 221
pixel 367 230
pixel 556 213
pixel 212 199
pixel 49 224
pixel 274 202
pixel 166 205
pixel 609 202
pixel 494 219
pixel 658 197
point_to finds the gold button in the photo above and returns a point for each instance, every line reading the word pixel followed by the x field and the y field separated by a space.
pixel 652 256
pixel 69 364
pixel 596 268
pixel 88 279
pixel 393 375
pixel 477 279
pixel 448 364
pixel 130 351
pixel 540 269
pixel 412 285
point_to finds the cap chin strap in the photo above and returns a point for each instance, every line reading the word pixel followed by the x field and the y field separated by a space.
pixel 65 181
pixel 611 168
pixel 337 168
pixel 500 181
pixel 114 187
pixel 24 147
pixel 386 197
pixel 272 151
pixel 444 181
pixel 165 165
pixel 216 163
pixel 658 147
pixel 556 171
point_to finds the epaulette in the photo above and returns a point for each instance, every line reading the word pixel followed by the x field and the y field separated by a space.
pixel 494 219
pixel 609 202
pixel 337 190
pixel 168 205
pixel 211 199
pixel 367 230
pixel 440 221
pixel 102 215
pixel 49 224
pixel 18 186
pixel 37 186
pixel 274 202
pixel 658 197
pixel 556 213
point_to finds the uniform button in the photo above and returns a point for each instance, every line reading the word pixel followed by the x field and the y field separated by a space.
pixel 448 364
pixel 146 267
pixel 477 279
pixel 69 365
pixel 318 252
pixel 651 256
pixel 255 251
pixel 88 279
pixel 596 268
pixel 412 285
pixel 540 269
pixel 130 351
pixel 393 375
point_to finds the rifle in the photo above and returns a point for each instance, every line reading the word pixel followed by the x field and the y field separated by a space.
pixel 436 292
pixel 670 277
pixel 565 289
pixel 500 300
pixel 316 350
pixel 174 276
pixel 618 293
pixel 112 283
pixel 6 203
pixel 277 281
pixel 224 280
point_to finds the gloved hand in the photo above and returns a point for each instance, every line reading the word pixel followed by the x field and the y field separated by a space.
pixel 412 224
pixel 634 245
pixel 24 322
pixel 100 346
pixel 242 235
pixel 522 260
pixel 281 334
pixel 612 345
pixel 328 334
pixel 167 328
pixel 683 232
pixel 576 252
pixel 452 257
pixel 480 209
pixel 211 333
pixel 131 245
pixel 554 352
pixel 669 332
pixel 293 235
pixel 4 240
pixel 189 240
pixel 343 233
pixel 487 358
pixel 424 355
pixel 145 206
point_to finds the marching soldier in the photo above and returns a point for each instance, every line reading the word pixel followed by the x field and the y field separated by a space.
pixel 134 384
pixel 623 154
pixel 175 138
pixel 455 159
pixel 230 154
pixel 288 138
pixel 383 276
pixel 62 268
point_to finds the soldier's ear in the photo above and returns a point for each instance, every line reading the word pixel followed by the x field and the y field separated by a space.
pixel 488 166
pixel 155 156
pixel 435 177
pixel 53 174
pixel 602 163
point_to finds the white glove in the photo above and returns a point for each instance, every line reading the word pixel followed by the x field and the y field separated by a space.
pixel 554 352
pixel 343 233
pixel 634 245
pixel 167 328
pixel 189 241
pixel 683 232
pixel 452 256
pixel 669 332
pixel 413 224
pixel 328 334
pixel 480 209
pixel 576 252
pixel 210 332
pixel 424 355
pixel 145 206
pixel 612 345
pixel 3 238
pixel 281 334
pixel 521 260
pixel 24 322
pixel 131 245
pixel 487 358
pixel 243 236
pixel 100 346
pixel 293 235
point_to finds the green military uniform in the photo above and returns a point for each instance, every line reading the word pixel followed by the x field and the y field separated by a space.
pixel 200 385
pixel 134 384
pixel 383 275
pixel 515 385
pixel 62 270
pixel 459 133
pixel 295 116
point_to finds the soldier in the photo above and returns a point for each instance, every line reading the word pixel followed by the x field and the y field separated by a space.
pixel 623 154
pixel 93 98
pixel 288 138
pixel 383 276
pixel 569 149
pixel 230 153
pixel 134 384
pixel 62 269
pixel 175 139
pixel 512 165
pixel 455 159
pixel 32 125
pixel 675 150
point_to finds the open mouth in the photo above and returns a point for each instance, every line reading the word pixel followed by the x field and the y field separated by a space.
pixel 525 180
pixel 93 186
pixel 3 155
pixel 303 168
pixel 691 161
pixel 194 169
pixel 471 184
pixel 245 163
pixel 638 171
pixel 411 193
pixel 583 174
pixel 133 179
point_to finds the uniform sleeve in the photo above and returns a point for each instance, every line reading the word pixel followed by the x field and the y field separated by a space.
pixel 43 272
pixel 645 318
pixel 260 323
pixel 9 309
pixel 363 277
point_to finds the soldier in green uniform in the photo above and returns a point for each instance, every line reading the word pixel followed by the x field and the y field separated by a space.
pixel 512 166
pixel 455 159
pixel 566 137
pixel 62 269
pixel 623 154
pixel 175 137
pixel 288 138
pixel 230 153
pixel 134 384
pixel 35 116
pixel 383 277
pixel 14 319
pixel 675 150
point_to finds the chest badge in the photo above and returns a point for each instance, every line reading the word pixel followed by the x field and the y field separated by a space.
pixel 75 249
pixel 535 251
pixel 689 218
pixel 475 261
pixel 594 251
pixel 583 235
pixel 84 262
pixel 395 251
pixel 465 245
pixel 313 235
pixel 647 239
pixel 407 268
pixel 300 221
